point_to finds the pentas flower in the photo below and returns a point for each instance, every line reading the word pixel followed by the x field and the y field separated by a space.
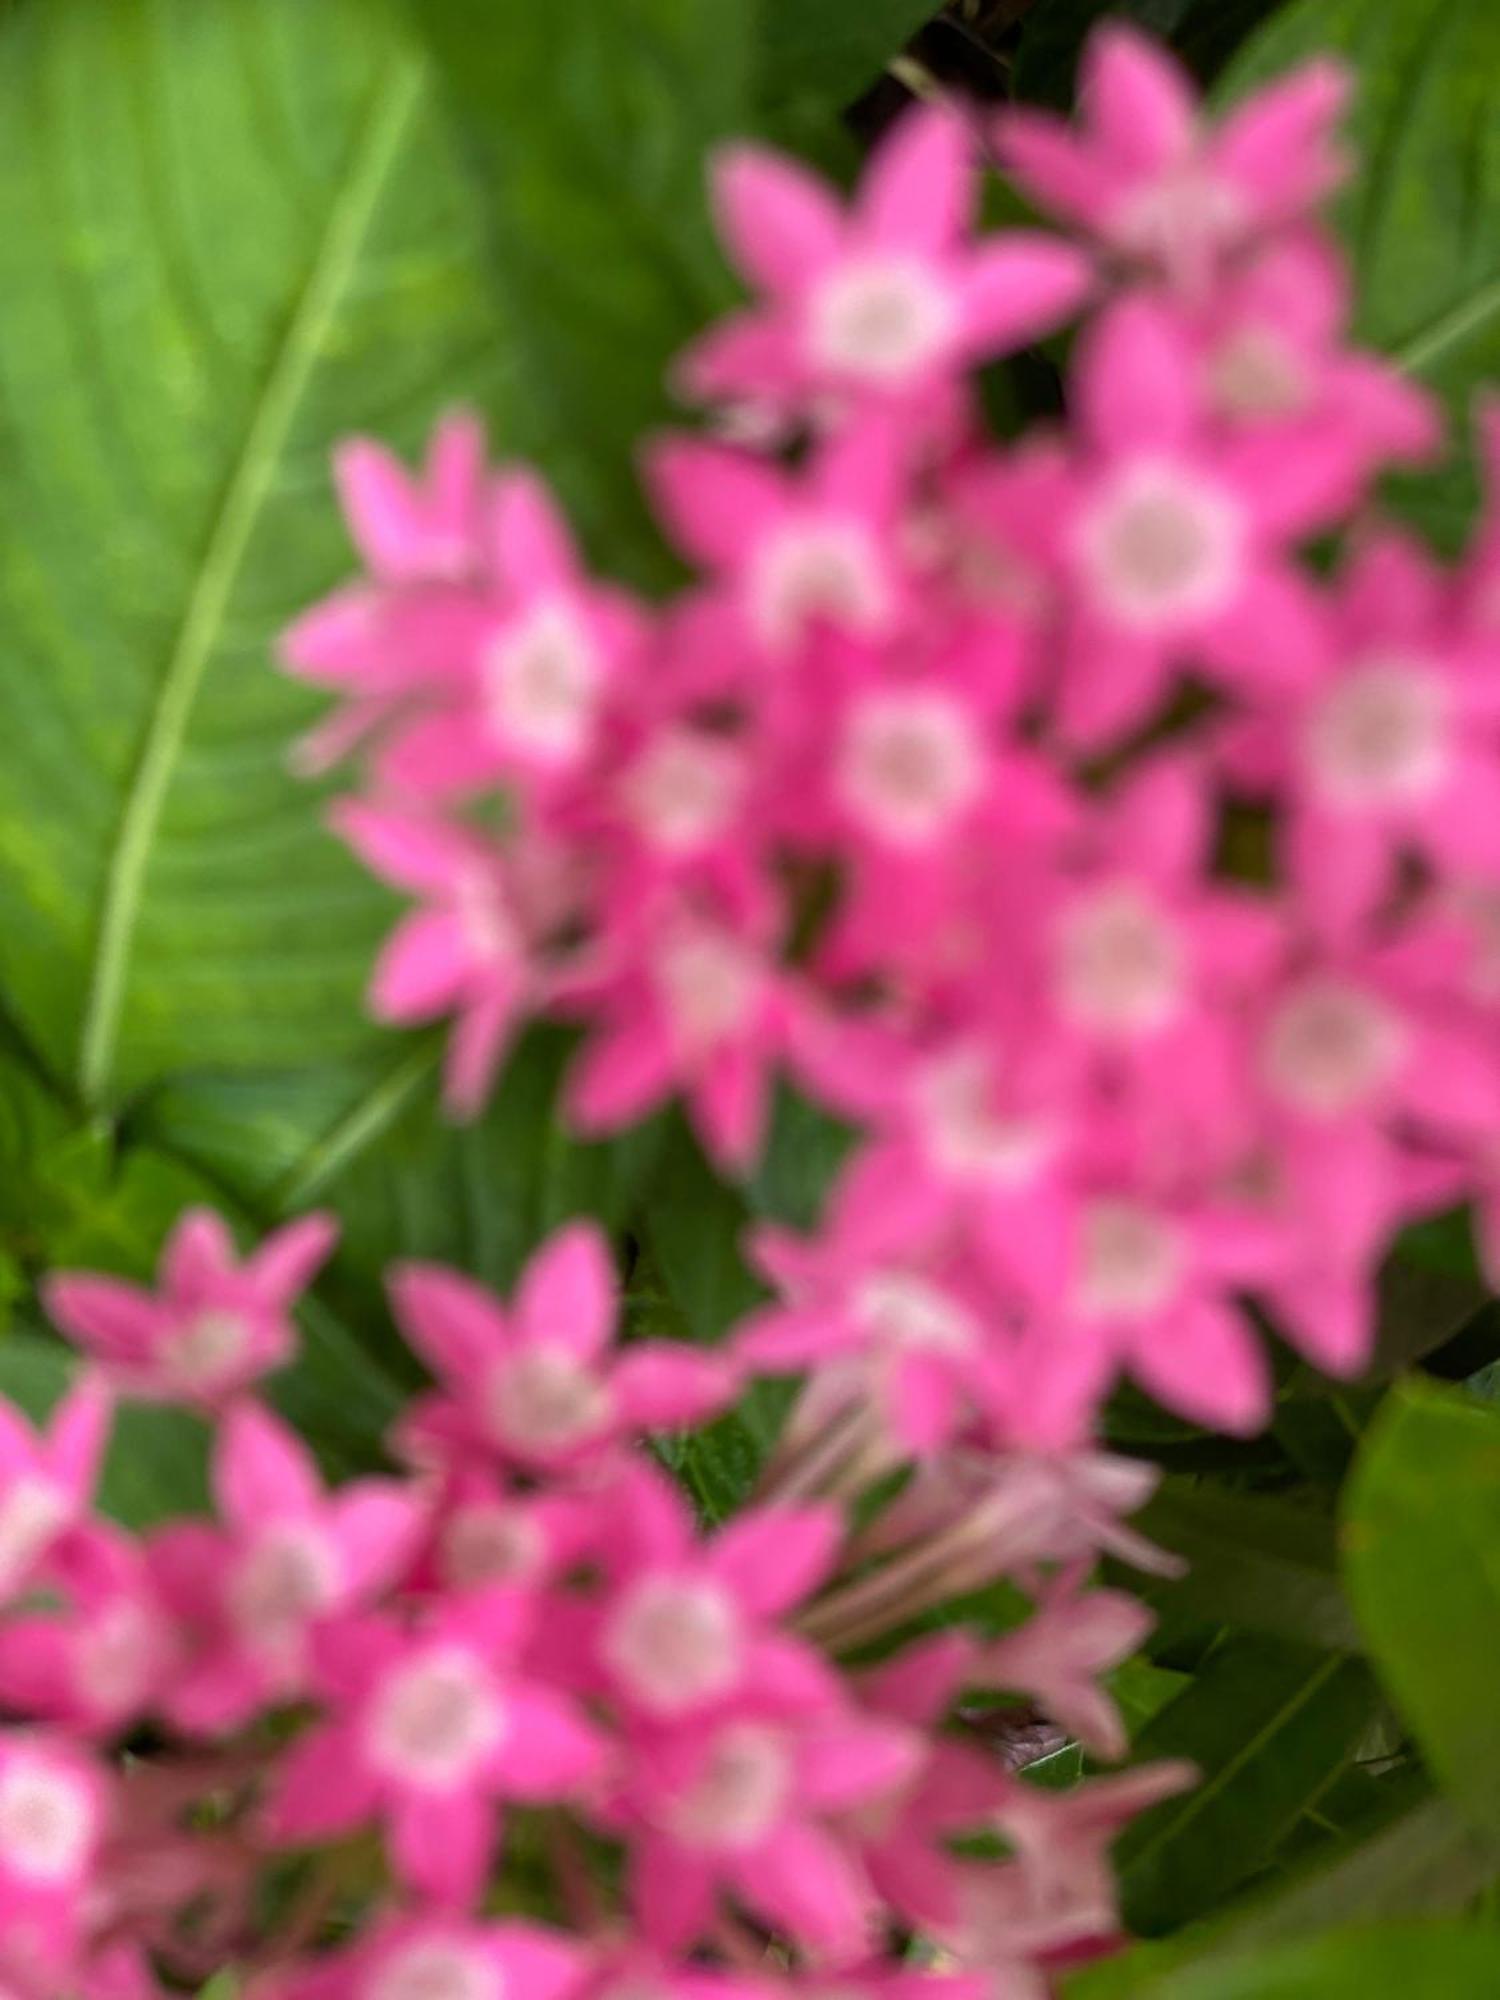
pixel 1060 1653
pixel 885 300
pixel 688 1627
pixel 98 1658
pixel 47 1478
pixel 539 1384
pixel 742 1805
pixel 425 1958
pixel 1176 544
pixel 427 1728
pixel 214 1325
pixel 1157 188
pixel 54 1804
pixel 248 1596
pixel 383 642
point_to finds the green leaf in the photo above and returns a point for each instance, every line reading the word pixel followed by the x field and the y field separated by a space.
pixel 587 126
pixel 1253 1562
pixel 1418 1961
pixel 830 50
pixel 1422 1558
pixel 1421 215
pixel 1269 1727
pixel 230 233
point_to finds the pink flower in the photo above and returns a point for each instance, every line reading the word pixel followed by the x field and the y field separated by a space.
pixel 886 300
pixel 435 1958
pixel 473 948
pixel 538 1382
pixel 53 1807
pixel 427 1729
pixel 99 1659
pixel 744 1805
pixel 47 1478
pixel 249 1598
pixel 213 1327
pixel 687 1627
pixel 1155 187
pixel 1176 542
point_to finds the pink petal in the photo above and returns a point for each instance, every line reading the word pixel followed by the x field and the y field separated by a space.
pixel 452 1322
pixel 1280 145
pixel 1162 816
pixel 262 1469
pixel 917 191
pixel 442 1844
pixel 536 1964
pixel 422 968
pixel 568 1294
pixel 1137 99
pixel 848 1762
pixel 664 1385
pixel 116 1321
pixel 78 1434
pixel 384 515
pixel 1206 1364
pixel 402 848
pixel 808 1885
pixel 729 1104
pixel 549 1751
pixel 621 1073
pixel 480 1041
pixel 779 222
pixel 1043 157
pixel 533 546
pixel 1019 286
pixel 376 1526
pixel 320 1790
pixel 774 1557
pixel 285 1264
pixel 671 1892
pixel 455 471
pixel 713 500
pixel 1132 379
pixel 199 1255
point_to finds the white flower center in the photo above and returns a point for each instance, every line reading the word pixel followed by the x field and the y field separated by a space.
pixel 967 1136
pixel 683 790
pixel 488 924
pixel 546 1399
pixel 676 1642
pixel 904 1313
pixel 46 1822
pixel 1180 219
pixel 286 1579
pixel 1379 738
pixel 1331 1047
pixel 484 1543
pixel 436 1719
pixel 1255 376
pixel 881 318
pixel 1131 1260
pixel 1120 962
pixel 430 1970
pixel 1160 546
pixel 910 764
pixel 741 1792
pixel 542 680
pixel 31 1512
pixel 711 984
pixel 204 1350
pixel 817 569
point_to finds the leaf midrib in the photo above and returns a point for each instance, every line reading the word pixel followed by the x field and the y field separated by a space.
pixel 349 216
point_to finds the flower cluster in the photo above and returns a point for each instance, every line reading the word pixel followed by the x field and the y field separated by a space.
pixel 1102 824
pixel 515 1656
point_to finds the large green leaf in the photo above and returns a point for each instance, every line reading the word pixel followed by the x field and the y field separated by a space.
pixel 587 127
pixel 1421 216
pixel 1259 1564
pixel 1418 1961
pixel 230 233
pixel 1269 1727
pixel 1422 1555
